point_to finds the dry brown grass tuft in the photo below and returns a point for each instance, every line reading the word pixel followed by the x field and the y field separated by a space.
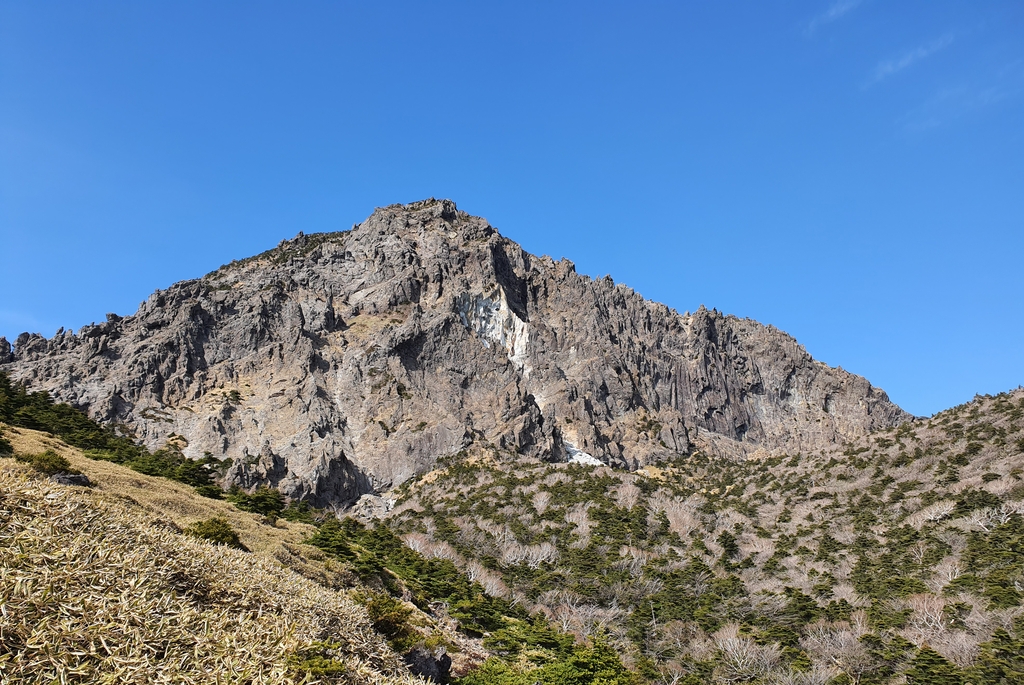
pixel 163 499
pixel 92 590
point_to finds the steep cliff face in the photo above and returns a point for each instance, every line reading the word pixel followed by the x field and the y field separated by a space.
pixel 344 363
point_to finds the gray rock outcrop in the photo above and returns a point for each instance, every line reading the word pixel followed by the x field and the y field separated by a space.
pixel 342 364
pixel 79 479
pixel 433 669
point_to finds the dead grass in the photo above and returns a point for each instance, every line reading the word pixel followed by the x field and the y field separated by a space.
pixel 162 499
pixel 96 585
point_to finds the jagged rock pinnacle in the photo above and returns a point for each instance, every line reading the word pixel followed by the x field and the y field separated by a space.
pixel 344 363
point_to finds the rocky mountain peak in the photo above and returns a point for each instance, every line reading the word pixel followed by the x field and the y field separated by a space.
pixel 338 364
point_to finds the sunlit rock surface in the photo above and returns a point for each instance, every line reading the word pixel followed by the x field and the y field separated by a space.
pixel 342 364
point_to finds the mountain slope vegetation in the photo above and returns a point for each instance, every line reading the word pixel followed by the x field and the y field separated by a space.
pixel 95 590
pixel 110 583
pixel 896 556
pixel 892 555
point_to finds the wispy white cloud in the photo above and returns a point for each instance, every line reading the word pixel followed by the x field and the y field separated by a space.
pixel 837 11
pixel 955 102
pixel 887 68
pixel 949 104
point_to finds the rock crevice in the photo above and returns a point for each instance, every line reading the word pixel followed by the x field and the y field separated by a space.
pixel 341 364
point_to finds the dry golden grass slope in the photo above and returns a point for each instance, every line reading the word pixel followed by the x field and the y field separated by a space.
pixel 97 586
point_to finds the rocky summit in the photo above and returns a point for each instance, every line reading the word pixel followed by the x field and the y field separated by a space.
pixel 340 364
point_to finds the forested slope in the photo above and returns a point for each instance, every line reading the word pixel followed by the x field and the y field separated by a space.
pixel 900 553
pixel 142 571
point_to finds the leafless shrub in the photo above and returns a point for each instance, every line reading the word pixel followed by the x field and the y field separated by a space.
pixel 727 632
pixel 647 586
pixel 574 614
pixel 555 477
pixel 627 494
pixel 982 622
pixel 1001 487
pixel 683 515
pixel 432 549
pixel 500 534
pixel 490 581
pixel 409 505
pixel 633 559
pixel 837 645
pixel 417 542
pixel 512 512
pixel 945 572
pixel 541 500
pixel 763 548
pixel 678 637
pixel 472 533
pixel 741 659
pixel 579 517
pixel 846 591
pixel 859 622
pixel 513 553
pixel 726 519
pixel 843 567
pixel 927 619
pixel 769 605
pixel 818 675
pixel 958 646
pixel 801 510
pixel 987 519
pixel 912 505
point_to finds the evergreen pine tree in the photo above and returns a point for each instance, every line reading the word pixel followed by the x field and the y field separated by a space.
pixel 931 668
pixel 1000 661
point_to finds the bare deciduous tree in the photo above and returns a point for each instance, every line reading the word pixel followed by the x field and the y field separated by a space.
pixel 579 517
pixel 740 659
pixel 958 646
pixel 541 500
pixel 927 619
pixel 932 513
pixel 818 675
pixel 627 494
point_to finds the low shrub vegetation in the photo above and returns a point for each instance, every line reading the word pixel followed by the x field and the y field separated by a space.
pixel 896 558
pixel 93 592
pixel 38 411
pixel 216 530
pixel 48 462
pixel 899 556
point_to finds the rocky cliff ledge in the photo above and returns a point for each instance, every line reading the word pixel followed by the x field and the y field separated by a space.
pixel 344 363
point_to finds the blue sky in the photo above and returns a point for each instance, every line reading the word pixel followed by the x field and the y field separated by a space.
pixel 850 172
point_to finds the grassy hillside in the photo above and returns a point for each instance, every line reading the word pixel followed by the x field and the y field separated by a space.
pixel 901 555
pixel 108 583
pixel 897 558
pixel 100 586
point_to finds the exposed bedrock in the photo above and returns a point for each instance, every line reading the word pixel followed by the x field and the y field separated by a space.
pixel 346 363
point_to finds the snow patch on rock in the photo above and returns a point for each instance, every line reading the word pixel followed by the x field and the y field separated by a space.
pixel 578 456
pixel 493 321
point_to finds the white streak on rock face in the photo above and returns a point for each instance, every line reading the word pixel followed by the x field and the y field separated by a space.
pixel 578 456
pixel 493 321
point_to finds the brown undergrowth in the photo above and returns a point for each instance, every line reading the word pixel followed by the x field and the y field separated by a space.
pixel 98 585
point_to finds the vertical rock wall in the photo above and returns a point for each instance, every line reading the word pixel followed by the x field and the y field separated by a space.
pixel 345 363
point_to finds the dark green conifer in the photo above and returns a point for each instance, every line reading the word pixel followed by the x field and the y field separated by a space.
pixel 931 668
